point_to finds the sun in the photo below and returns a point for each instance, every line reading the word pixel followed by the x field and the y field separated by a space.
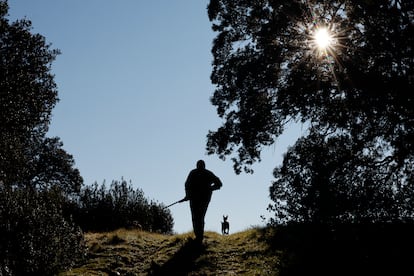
pixel 323 39
pixel 323 42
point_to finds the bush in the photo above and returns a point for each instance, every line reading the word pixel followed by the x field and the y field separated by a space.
pixel 100 209
pixel 35 238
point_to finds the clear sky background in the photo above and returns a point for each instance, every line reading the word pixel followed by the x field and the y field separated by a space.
pixel 134 88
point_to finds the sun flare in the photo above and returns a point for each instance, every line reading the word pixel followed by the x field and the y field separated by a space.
pixel 323 39
pixel 323 42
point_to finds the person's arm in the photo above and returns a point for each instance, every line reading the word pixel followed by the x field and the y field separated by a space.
pixel 216 183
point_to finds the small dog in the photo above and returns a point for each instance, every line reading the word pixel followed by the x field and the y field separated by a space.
pixel 225 226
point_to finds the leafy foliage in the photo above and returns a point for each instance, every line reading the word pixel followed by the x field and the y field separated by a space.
pixel 36 239
pixel 102 209
pixel 356 162
pixel 36 174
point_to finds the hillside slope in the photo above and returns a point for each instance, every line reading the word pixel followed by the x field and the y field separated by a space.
pixel 132 252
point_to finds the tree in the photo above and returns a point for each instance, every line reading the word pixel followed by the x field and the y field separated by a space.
pixel 52 166
pixel 37 176
pixel 356 162
pixel 28 94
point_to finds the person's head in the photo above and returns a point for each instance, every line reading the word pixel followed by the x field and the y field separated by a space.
pixel 201 164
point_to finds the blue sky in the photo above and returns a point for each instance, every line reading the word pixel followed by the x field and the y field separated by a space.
pixel 134 88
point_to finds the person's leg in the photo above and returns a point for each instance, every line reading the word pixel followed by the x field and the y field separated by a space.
pixel 197 219
pixel 198 212
pixel 202 213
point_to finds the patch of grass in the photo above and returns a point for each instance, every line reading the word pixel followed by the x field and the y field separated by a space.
pixel 115 239
pixel 95 248
pixel 134 252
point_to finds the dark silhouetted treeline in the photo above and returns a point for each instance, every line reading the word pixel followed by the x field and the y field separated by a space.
pixel 41 200
pixel 101 208
pixel 354 161
pixel 36 174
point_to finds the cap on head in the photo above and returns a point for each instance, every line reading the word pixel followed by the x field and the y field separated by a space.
pixel 201 164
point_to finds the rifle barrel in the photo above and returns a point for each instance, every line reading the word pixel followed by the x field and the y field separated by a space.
pixel 178 201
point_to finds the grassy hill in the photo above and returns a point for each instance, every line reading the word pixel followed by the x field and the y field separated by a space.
pixel 133 252
pixel 372 249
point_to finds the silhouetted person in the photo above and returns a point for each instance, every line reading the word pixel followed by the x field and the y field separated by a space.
pixel 199 186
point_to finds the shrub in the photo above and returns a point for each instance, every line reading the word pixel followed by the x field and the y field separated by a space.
pixel 35 238
pixel 100 209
